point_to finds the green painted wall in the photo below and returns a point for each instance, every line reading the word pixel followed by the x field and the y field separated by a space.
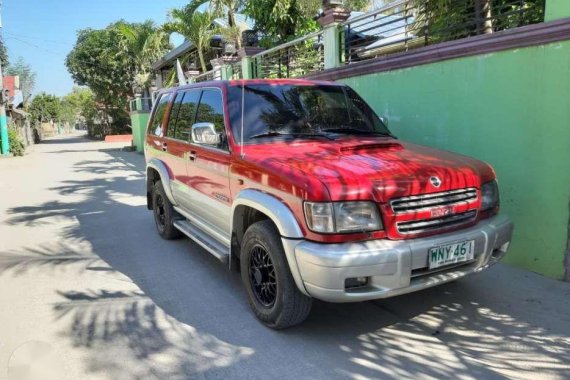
pixel 139 121
pixel 557 9
pixel 511 109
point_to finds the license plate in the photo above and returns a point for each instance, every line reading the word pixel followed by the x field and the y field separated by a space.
pixel 451 254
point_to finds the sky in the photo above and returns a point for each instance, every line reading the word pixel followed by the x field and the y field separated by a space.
pixel 43 32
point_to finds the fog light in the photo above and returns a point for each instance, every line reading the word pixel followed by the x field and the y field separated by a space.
pixel 355 282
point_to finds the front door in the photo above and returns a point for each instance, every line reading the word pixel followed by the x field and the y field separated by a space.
pixel 208 170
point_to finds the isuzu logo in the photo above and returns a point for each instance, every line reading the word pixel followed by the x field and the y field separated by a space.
pixel 435 181
pixel 442 211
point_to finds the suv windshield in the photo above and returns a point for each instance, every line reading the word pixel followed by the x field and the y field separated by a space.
pixel 290 111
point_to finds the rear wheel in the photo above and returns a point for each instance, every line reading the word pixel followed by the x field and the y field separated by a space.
pixel 164 214
pixel 272 292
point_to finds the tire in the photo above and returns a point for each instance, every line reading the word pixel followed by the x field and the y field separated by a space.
pixel 164 214
pixel 263 263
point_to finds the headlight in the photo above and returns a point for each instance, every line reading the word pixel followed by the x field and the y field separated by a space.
pixel 342 217
pixel 319 217
pixel 489 195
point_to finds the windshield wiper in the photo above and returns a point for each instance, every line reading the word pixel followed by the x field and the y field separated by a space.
pixel 273 134
pixel 356 132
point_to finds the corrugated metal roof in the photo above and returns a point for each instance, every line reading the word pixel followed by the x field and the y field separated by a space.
pixel 180 50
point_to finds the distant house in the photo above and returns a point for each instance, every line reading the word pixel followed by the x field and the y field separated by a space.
pixel 15 112
pixel 15 96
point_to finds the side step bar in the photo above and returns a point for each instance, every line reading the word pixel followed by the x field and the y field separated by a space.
pixel 217 249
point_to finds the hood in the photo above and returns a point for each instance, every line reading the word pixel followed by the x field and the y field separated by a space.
pixel 374 168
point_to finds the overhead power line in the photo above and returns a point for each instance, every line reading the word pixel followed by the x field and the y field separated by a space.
pixel 35 38
pixel 34 45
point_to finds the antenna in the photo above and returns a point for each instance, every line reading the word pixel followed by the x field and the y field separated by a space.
pixel 242 154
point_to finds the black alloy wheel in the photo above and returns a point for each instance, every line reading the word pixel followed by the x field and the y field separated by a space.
pixel 164 213
pixel 262 276
pixel 271 290
pixel 159 212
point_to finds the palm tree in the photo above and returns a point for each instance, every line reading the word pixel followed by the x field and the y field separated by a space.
pixel 143 44
pixel 230 8
pixel 197 27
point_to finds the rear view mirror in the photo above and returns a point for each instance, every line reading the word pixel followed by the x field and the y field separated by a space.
pixel 205 133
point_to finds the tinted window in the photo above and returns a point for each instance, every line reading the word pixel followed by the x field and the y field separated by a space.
pixel 300 109
pixel 185 116
pixel 156 127
pixel 171 129
pixel 211 109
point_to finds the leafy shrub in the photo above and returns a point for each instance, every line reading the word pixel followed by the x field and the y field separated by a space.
pixel 16 144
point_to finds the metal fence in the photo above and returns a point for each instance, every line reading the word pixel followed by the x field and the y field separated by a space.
pixel 215 74
pixel 408 24
pixel 292 59
pixel 235 71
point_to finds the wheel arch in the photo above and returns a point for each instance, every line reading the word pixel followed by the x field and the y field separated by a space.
pixel 156 170
pixel 273 208
pixel 266 206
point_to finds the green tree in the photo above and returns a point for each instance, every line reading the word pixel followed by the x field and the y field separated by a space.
pixel 142 44
pixel 229 8
pixel 81 101
pixel 68 112
pixel 197 27
pixel 27 77
pixel 45 107
pixel 97 61
pixel 284 20
pixel 3 54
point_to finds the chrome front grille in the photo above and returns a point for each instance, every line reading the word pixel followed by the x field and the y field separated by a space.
pixel 428 225
pixel 427 201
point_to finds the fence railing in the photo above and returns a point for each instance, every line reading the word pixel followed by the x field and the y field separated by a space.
pixel 215 74
pixel 408 24
pixel 397 27
pixel 235 70
pixel 140 104
pixel 292 59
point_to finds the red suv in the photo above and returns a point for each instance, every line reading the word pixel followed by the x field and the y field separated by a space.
pixel 304 186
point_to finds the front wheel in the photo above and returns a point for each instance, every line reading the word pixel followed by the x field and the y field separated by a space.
pixel 272 292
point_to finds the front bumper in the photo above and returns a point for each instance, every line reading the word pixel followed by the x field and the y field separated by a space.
pixel 393 267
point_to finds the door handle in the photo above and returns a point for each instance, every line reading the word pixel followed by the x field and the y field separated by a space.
pixel 192 156
pixel 164 147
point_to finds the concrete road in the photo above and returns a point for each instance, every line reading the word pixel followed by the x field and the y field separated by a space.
pixel 88 290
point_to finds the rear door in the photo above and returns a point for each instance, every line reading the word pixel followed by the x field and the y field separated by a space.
pixel 155 131
pixel 181 117
pixel 208 169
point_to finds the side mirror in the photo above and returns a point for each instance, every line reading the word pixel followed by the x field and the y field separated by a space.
pixel 384 120
pixel 205 133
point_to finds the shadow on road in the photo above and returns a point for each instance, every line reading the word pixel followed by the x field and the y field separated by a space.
pixel 63 140
pixel 188 315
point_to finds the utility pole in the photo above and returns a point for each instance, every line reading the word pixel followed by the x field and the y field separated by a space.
pixel 3 122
